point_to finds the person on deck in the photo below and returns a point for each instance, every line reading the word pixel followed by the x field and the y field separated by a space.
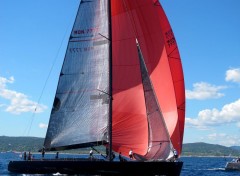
pixel 175 154
pixel 120 157
pixel 238 160
pixel 113 155
pixel 131 154
pixel 91 153
pixel 25 156
pixel 107 152
pixel 29 156
pixel 43 152
pixel 56 157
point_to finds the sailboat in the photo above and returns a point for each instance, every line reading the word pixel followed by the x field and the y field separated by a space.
pixel 121 86
pixel 233 165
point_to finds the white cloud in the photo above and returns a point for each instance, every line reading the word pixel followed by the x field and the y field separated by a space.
pixel 224 139
pixel 19 102
pixel 3 82
pixel 43 125
pixel 215 136
pixel 230 113
pixel 195 123
pixel 202 91
pixel 233 75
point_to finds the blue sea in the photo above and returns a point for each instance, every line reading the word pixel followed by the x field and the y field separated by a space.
pixel 193 166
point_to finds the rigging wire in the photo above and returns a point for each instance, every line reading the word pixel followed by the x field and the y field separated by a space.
pixel 28 128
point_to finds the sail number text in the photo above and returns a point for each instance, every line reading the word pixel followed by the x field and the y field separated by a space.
pixel 170 38
pixel 77 50
pixel 85 31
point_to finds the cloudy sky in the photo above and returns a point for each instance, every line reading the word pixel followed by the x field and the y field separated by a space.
pixel 33 38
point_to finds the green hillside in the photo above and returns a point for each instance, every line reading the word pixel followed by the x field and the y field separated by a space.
pixel 20 143
pixel 204 149
pixel 33 144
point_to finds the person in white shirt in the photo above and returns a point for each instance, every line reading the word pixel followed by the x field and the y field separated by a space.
pixel 91 153
pixel 175 154
pixel 131 154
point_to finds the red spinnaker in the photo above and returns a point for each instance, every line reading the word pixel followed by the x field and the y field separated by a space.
pixel 145 21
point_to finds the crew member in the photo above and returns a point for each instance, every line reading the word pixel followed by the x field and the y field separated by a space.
pixel 131 154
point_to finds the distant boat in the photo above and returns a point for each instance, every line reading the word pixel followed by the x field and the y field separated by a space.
pixel 233 165
pixel 121 86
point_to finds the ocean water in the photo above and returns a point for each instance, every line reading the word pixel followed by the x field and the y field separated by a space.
pixel 193 166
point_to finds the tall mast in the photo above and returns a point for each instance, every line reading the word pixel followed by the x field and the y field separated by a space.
pixel 110 79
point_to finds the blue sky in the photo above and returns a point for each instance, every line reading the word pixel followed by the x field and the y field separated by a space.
pixel 33 39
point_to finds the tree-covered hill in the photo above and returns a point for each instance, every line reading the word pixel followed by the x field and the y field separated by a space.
pixel 236 148
pixel 20 143
pixel 33 144
pixel 204 149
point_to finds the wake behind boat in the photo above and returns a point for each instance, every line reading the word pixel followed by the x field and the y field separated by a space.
pixel 121 86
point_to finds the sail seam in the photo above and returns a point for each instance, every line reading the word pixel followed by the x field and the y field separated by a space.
pixel 169 54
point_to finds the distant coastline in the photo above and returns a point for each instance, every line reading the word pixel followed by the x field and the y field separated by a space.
pixel 186 156
pixel 198 149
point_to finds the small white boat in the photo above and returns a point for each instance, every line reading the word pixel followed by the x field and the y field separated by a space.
pixel 233 165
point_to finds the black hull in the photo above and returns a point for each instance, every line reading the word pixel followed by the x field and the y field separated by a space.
pixel 95 167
